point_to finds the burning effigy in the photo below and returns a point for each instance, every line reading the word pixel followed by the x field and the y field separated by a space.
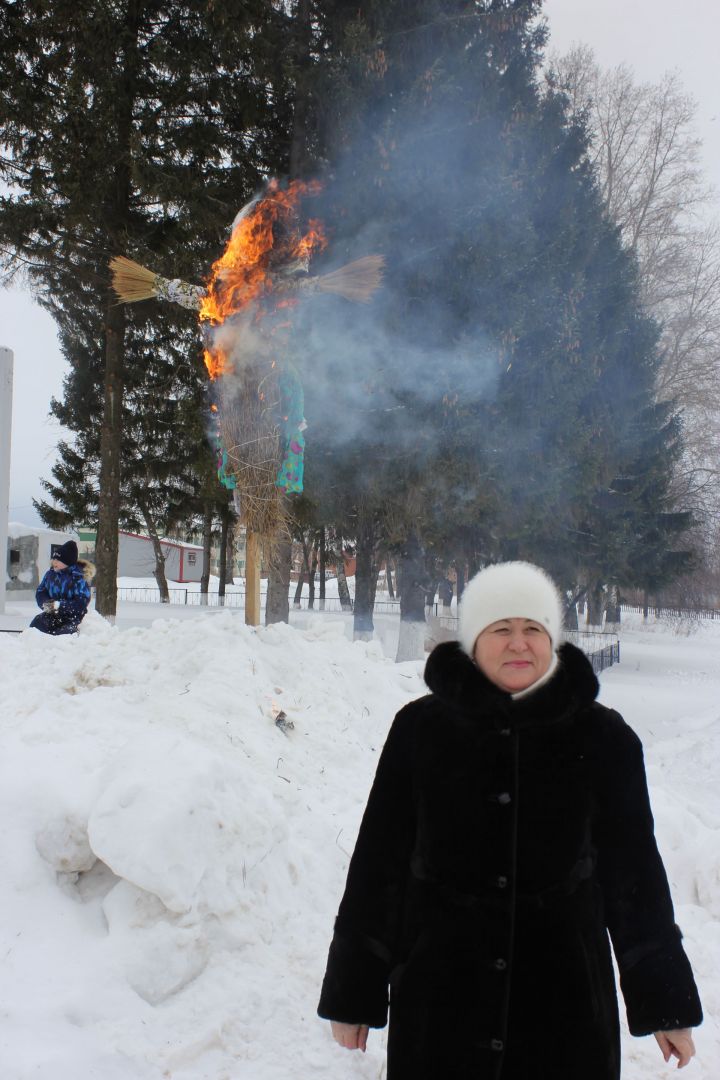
pixel 245 313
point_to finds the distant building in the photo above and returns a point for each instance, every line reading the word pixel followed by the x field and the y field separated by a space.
pixel 136 558
pixel 86 542
pixel 235 555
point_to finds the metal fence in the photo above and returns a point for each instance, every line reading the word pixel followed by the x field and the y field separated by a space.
pixel 236 599
pixel 605 658
pixel 192 598
pixel 602 650
pixel 663 612
pixel 188 597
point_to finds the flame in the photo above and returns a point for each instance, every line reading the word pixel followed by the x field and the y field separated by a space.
pixel 215 362
pixel 266 240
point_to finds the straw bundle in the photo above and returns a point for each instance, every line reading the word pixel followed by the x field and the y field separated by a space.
pixel 251 435
pixel 131 281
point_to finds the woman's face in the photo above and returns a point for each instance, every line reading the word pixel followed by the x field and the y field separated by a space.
pixel 513 653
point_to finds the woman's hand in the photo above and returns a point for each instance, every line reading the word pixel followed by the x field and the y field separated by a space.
pixel 351 1036
pixel 677 1044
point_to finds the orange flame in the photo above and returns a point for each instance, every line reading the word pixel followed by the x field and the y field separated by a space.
pixel 265 240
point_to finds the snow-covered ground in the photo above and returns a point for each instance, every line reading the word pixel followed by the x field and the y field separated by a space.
pixel 172 860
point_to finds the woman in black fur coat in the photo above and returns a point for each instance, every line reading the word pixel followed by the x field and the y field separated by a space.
pixel 507 833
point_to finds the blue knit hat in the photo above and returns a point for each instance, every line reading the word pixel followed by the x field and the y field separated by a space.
pixel 67 553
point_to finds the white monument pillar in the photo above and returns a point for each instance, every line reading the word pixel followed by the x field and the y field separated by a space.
pixel 6 388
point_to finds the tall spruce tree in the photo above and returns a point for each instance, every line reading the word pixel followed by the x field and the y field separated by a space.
pixel 501 374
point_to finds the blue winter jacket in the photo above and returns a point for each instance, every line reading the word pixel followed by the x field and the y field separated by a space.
pixel 70 588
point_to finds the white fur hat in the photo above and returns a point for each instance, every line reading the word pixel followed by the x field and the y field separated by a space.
pixel 512 590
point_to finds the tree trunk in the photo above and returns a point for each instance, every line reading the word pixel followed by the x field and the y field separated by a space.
pixel 222 567
pixel 120 146
pixel 302 26
pixel 277 602
pixel 321 601
pixel 570 617
pixel 301 576
pixel 159 572
pixel 574 606
pixel 277 605
pixel 460 575
pixel 343 591
pixel 230 552
pixel 363 625
pixel 389 580
pixel 594 608
pixel 646 604
pixel 207 544
pixel 412 575
pixel 612 610
pixel 374 575
pixel 108 540
pixel 311 577
pixel 431 583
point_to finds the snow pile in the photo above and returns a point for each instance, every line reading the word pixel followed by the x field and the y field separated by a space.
pixel 177 807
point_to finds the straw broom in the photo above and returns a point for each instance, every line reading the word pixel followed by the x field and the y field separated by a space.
pixel 131 281
pixel 357 281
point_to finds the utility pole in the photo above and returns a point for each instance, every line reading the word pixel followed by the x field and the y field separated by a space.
pixel 6 394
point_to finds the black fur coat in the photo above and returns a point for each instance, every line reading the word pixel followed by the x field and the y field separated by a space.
pixel 501 841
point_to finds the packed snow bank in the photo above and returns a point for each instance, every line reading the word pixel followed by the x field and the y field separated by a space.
pixel 174 847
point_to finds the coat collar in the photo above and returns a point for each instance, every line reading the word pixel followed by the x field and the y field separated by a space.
pixel 456 680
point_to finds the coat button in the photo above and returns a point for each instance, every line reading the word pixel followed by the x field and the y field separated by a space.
pixel 500 964
pixel 496 1044
pixel 501 881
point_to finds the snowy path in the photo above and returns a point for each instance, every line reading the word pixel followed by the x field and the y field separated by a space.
pixel 192 949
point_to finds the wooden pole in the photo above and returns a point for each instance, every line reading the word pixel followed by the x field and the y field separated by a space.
pixel 253 550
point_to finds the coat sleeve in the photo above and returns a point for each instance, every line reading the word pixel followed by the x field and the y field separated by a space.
pixel 655 974
pixel 42 596
pixel 364 946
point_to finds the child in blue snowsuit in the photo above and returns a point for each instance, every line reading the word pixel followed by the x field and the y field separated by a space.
pixel 64 592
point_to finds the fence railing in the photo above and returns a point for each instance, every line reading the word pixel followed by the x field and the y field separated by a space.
pixel 664 612
pixel 605 658
pixel 602 650
pixel 236 599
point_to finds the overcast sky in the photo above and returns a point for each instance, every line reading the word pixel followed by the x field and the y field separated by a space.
pixel 652 36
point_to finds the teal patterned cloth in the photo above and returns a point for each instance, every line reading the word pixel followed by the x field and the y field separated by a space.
pixel 223 476
pixel 292 403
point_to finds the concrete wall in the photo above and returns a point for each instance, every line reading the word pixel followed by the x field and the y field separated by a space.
pixel 28 557
pixel 23 572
